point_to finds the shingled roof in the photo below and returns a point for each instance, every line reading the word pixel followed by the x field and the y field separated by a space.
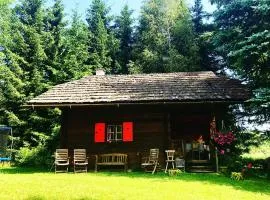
pixel 144 88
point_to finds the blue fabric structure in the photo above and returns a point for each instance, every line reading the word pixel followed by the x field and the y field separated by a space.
pixel 5 128
pixel 5 159
pixel 6 131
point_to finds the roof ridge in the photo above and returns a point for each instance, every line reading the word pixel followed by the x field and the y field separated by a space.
pixel 153 74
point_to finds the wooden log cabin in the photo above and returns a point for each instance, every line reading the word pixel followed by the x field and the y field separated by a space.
pixel 133 113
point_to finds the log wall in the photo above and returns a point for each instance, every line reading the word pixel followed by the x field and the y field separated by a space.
pixel 152 128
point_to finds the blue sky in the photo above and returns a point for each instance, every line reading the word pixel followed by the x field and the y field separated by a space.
pixel 116 6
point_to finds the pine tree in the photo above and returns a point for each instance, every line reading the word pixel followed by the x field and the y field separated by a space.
pixel 204 31
pixel 54 27
pixel 30 34
pixel 197 19
pixel 124 32
pixel 11 74
pixel 24 73
pixel 76 53
pixel 242 40
pixel 98 43
pixel 185 45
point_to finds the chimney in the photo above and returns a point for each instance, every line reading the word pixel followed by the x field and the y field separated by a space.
pixel 100 72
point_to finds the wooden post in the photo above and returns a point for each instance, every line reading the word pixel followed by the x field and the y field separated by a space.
pixel 167 127
pixel 64 129
pixel 216 153
pixel 183 148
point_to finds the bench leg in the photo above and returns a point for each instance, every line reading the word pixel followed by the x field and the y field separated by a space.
pixel 95 167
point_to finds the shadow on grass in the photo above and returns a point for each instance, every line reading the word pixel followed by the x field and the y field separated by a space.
pixel 19 170
pixel 257 185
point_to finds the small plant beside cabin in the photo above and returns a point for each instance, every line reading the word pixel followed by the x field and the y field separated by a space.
pixel 175 172
pixel 237 176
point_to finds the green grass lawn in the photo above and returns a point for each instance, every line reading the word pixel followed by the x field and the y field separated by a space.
pixel 17 183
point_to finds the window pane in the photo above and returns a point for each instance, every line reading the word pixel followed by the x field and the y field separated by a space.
pixel 114 133
pixel 111 129
pixel 119 136
pixel 119 128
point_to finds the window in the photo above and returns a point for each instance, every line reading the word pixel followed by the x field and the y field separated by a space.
pixel 114 133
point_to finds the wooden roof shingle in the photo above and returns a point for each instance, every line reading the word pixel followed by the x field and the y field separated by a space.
pixel 168 87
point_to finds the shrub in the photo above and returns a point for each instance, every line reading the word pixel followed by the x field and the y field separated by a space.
pixel 249 167
pixel 33 156
pixel 174 172
pixel 237 176
pixel 40 155
pixel 235 165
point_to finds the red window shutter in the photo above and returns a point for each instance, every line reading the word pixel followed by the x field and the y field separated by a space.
pixel 100 132
pixel 128 131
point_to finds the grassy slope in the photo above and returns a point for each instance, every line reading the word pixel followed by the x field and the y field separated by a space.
pixel 28 184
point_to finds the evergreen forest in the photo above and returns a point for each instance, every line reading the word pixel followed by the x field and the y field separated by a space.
pixel 40 47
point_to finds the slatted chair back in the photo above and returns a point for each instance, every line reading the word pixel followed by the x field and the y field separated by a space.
pixel 61 160
pixel 153 157
pixel 61 155
pixel 170 155
pixel 151 164
pixel 80 155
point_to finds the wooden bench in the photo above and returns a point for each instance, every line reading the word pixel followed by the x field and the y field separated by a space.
pixel 112 159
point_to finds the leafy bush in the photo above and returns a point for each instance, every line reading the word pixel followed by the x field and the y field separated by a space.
pixel 235 165
pixel 174 172
pixel 249 167
pixel 237 176
pixel 40 155
pixel 33 156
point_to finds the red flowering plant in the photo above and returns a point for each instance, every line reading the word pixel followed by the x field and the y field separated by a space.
pixel 223 140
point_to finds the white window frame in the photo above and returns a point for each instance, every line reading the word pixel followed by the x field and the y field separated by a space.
pixel 113 132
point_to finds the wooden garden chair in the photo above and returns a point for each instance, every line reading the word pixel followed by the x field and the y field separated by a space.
pixel 151 162
pixel 170 158
pixel 80 160
pixel 61 160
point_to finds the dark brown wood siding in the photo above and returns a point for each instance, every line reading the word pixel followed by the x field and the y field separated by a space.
pixel 149 131
pixel 153 127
